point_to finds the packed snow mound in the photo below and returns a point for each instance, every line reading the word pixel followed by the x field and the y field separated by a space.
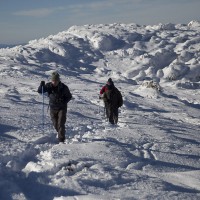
pixel 194 24
pixel 164 51
pixel 168 26
pixel 106 42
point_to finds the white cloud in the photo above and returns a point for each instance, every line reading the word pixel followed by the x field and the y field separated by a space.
pixel 76 8
pixel 42 12
pixel 102 4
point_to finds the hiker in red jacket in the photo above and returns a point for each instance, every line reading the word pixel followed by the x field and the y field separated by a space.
pixel 112 99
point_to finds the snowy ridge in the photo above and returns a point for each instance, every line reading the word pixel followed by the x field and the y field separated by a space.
pixel 153 153
pixel 171 50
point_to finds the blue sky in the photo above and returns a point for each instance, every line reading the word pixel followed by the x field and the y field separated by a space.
pixel 24 20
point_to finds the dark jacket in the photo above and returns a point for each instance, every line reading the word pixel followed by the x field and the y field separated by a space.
pixel 59 96
pixel 113 97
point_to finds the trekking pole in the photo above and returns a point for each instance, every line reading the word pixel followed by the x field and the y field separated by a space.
pixel 43 109
pixel 99 108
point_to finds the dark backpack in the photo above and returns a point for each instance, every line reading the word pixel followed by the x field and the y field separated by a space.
pixel 120 99
pixel 113 97
pixel 117 97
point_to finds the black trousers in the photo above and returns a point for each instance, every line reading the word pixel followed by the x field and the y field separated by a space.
pixel 58 118
pixel 111 113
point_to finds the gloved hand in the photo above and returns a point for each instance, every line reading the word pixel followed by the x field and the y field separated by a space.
pixel 42 83
pixel 101 96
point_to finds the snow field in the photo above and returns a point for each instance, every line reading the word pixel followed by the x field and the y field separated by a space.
pixel 153 153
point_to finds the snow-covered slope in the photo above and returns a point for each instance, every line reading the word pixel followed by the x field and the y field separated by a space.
pixel 153 153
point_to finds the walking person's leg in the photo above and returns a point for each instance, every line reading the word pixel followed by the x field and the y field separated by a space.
pixel 115 115
pixel 110 111
pixel 107 110
pixel 54 118
pixel 61 124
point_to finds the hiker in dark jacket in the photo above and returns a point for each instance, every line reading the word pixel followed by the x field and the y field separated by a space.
pixel 113 100
pixel 59 95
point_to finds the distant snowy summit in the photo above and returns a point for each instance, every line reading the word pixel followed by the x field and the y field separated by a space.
pixel 194 24
pixel 127 51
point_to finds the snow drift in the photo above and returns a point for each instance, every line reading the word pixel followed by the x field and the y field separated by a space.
pixel 153 153
pixel 170 48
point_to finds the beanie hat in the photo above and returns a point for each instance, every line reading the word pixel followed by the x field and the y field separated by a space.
pixel 55 76
pixel 110 82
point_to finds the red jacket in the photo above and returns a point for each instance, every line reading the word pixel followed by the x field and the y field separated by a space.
pixel 104 89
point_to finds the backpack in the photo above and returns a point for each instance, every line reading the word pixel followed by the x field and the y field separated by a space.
pixel 114 97
pixel 120 99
